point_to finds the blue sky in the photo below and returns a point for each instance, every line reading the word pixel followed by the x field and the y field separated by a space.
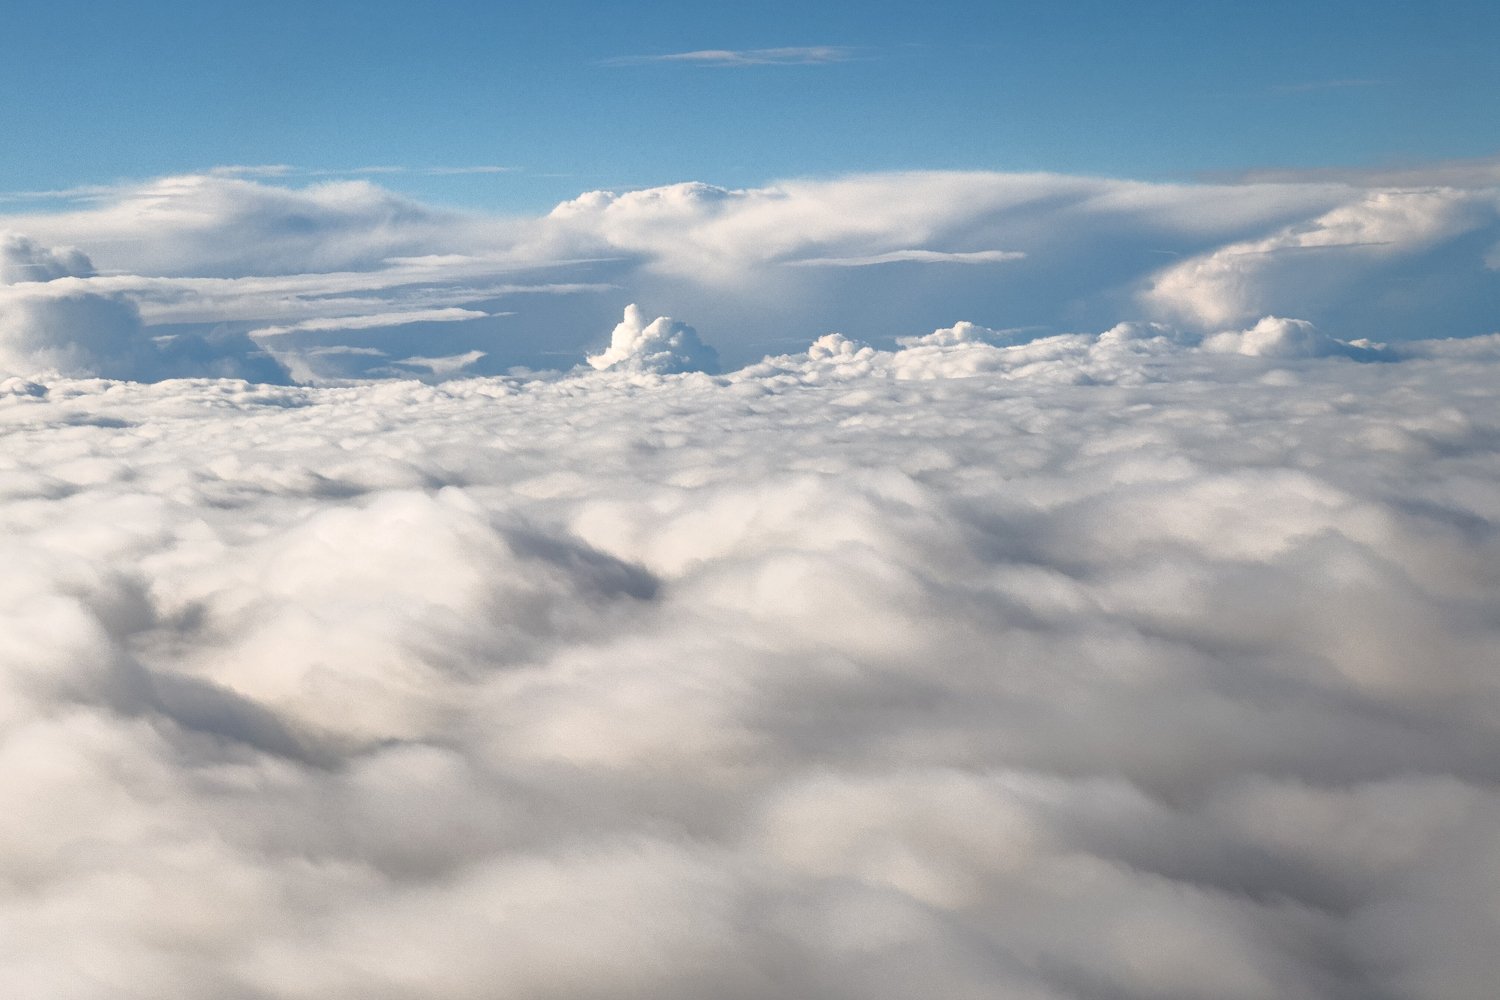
pixel 93 92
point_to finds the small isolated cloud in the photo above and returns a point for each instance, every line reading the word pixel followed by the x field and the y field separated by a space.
pixel 663 346
pixel 807 55
pixel 913 257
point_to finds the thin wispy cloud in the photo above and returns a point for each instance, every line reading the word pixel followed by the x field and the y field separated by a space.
pixel 254 172
pixel 82 192
pixel 913 257
pixel 378 169
pixel 803 55
pixel 375 321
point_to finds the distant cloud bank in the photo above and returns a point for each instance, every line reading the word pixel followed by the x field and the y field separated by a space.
pixel 327 279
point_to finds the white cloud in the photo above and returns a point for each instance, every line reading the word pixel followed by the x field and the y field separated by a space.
pixel 804 55
pixel 1318 258
pixel 963 332
pixel 913 257
pixel 53 319
pixel 180 225
pixel 1011 661
pixel 72 331
pixel 1090 665
pixel 23 259
pixel 377 320
pixel 664 346
pixel 1274 337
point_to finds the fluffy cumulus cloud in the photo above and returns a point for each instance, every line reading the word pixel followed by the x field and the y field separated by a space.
pixel 1145 664
pixel 664 346
pixel 1274 337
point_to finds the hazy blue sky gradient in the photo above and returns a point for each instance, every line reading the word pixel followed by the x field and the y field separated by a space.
pixel 93 92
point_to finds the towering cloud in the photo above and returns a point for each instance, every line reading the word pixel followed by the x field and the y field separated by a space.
pixel 664 346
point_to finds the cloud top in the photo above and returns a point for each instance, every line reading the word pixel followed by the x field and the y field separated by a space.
pixel 663 346
pixel 1089 665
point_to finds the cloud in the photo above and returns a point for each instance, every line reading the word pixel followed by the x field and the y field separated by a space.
pixel 805 55
pixel 1090 665
pixel 379 320
pixel 770 267
pixel 177 225
pixel 72 331
pixel 1092 252
pixel 1273 337
pixel 964 332
pixel 488 168
pixel 663 346
pixel 23 260
pixel 913 257
pixel 1320 258
pixel 53 319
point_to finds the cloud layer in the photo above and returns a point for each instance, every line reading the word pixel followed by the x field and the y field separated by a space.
pixel 354 280
pixel 1116 666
